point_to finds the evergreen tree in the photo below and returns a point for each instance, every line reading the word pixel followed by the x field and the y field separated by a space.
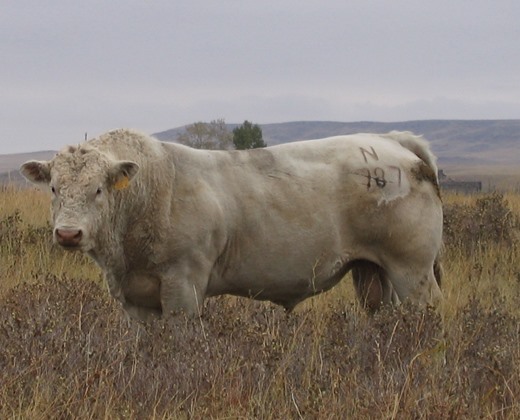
pixel 248 136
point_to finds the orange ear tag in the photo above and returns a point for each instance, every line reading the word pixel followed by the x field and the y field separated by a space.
pixel 121 184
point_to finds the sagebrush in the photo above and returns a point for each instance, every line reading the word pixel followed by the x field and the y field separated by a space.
pixel 68 350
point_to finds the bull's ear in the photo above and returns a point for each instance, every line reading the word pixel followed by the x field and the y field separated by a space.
pixel 121 173
pixel 36 171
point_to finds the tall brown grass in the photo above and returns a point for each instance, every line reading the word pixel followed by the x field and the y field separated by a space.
pixel 68 351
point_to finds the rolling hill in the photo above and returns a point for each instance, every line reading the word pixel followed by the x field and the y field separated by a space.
pixel 9 164
pixel 453 141
pixel 471 149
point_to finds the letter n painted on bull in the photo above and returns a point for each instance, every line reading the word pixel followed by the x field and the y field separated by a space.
pixel 372 153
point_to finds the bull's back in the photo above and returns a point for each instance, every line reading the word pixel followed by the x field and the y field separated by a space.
pixel 364 166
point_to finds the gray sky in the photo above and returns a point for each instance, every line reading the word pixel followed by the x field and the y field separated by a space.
pixel 73 67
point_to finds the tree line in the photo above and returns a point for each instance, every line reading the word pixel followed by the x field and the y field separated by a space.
pixel 216 136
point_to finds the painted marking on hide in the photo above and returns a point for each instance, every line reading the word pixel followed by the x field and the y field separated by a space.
pixel 366 153
pixel 388 179
pixel 398 170
pixel 377 175
pixel 380 177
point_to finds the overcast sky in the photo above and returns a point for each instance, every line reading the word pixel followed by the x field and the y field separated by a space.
pixel 72 67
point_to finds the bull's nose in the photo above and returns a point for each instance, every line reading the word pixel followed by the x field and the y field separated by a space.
pixel 69 237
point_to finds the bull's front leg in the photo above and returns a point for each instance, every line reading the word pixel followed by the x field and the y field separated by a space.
pixel 138 294
pixel 140 313
pixel 183 289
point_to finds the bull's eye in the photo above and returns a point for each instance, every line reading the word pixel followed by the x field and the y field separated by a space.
pixel 99 191
pixel 53 190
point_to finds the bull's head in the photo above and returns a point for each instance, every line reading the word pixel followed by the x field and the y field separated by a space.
pixel 83 182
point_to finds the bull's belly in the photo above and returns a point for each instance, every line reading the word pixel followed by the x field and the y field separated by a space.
pixel 284 281
pixel 286 292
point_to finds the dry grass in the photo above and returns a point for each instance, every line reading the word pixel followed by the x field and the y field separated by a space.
pixel 26 249
pixel 69 352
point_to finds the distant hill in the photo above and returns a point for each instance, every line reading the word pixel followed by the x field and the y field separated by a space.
pixel 486 142
pixel 9 164
pixel 472 149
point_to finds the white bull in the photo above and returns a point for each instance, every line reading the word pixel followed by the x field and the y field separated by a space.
pixel 170 225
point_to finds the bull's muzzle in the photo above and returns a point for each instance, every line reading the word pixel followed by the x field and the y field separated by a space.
pixel 68 238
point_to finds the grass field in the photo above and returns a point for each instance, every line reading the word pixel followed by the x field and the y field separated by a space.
pixel 67 350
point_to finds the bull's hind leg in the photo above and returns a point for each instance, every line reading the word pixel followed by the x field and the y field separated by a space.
pixel 418 286
pixel 372 287
pixel 437 270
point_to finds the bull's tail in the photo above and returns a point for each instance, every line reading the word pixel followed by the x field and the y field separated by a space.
pixel 417 145
pixel 438 271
